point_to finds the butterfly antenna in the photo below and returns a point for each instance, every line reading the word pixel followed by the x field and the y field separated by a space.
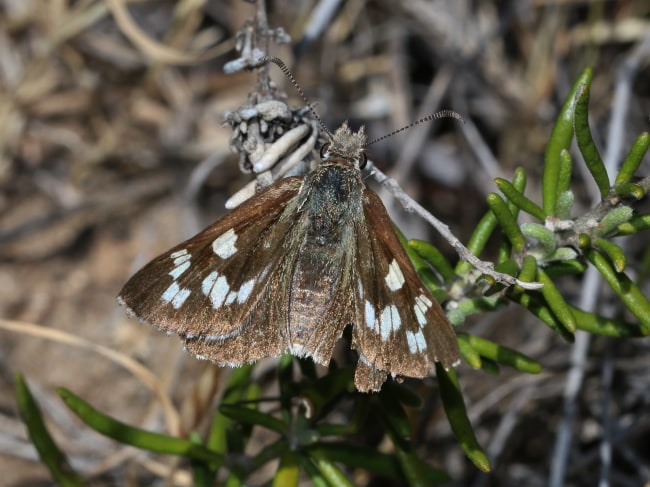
pixel 285 70
pixel 428 118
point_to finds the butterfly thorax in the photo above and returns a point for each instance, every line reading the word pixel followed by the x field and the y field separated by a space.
pixel 333 198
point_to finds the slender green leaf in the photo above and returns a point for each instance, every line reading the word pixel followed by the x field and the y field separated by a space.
pixel 508 266
pixel 560 140
pixel 251 416
pixel 411 464
pixel 519 179
pixel 586 142
pixel 600 325
pixel 317 479
pixel 633 159
pixel 613 252
pixel 630 191
pixel 609 224
pixel 541 234
pixel 490 366
pixel 504 355
pixel 432 255
pixel 478 240
pixel 48 451
pixel 331 473
pixel 470 355
pixel 533 303
pixel 564 205
pixel 565 268
pixel 623 286
pixel 556 301
pixel 638 223
pixel 523 203
pixel 564 177
pixel 452 400
pixel 506 221
pixel 235 390
pixel 288 472
pixel 137 437
pixel 203 475
pixel 527 273
pixel 234 481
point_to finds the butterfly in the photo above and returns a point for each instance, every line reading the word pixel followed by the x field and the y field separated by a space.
pixel 289 269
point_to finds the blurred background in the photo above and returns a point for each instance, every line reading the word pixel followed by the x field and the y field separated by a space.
pixel 113 148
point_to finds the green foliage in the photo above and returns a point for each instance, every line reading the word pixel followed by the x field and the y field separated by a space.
pixel 558 244
pixel 307 441
pixel 553 245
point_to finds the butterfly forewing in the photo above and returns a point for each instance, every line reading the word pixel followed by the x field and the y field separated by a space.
pixel 212 286
pixel 400 328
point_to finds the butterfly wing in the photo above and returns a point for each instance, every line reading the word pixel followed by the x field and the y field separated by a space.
pixel 217 286
pixel 400 328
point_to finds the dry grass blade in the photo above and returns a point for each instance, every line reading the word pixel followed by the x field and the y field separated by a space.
pixel 145 376
pixel 155 50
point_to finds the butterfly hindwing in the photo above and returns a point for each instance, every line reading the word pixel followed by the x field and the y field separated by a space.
pixel 400 328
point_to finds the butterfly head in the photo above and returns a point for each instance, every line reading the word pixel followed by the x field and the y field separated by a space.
pixel 348 145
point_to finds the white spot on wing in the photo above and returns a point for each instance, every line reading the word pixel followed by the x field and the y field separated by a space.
pixel 219 292
pixel 178 253
pixel 370 314
pixel 395 319
pixel 385 324
pixel 175 295
pixel 224 246
pixel 394 278
pixel 390 321
pixel 170 292
pixel 419 314
pixel 422 304
pixel 180 259
pixel 180 298
pixel 208 282
pixel 177 271
pixel 232 295
pixel 416 341
pixel 245 291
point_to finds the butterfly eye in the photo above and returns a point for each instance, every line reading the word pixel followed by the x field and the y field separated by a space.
pixel 363 160
pixel 324 149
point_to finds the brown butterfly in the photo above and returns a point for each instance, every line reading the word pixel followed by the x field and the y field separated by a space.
pixel 290 268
